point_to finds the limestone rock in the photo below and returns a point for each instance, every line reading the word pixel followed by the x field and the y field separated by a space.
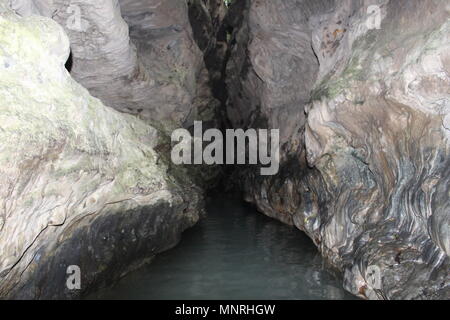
pixel 138 57
pixel 80 183
pixel 363 116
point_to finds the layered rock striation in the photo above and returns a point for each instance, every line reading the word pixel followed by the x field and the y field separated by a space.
pixel 362 110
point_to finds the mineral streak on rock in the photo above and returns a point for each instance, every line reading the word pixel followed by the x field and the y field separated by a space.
pixel 363 117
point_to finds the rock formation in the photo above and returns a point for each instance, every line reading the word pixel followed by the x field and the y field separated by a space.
pixel 80 183
pixel 363 117
pixel 136 56
pixel 358 88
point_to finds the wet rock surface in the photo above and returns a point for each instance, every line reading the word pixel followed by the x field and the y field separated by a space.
pixel 81 184
pixel 362 117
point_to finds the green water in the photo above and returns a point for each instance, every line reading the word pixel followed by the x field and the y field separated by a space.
pixel 235 253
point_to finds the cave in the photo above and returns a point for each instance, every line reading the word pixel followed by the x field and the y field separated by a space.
pixel 217 149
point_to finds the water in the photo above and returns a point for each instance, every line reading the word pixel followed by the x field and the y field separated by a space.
pixel 235 253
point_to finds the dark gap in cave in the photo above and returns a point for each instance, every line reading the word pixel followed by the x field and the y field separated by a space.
pixel 233 176
pixel 69 62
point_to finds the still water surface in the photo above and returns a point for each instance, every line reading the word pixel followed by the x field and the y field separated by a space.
pixel 234 253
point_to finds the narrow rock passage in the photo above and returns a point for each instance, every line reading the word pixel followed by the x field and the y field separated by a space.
pixel 93 95
pixel 234 253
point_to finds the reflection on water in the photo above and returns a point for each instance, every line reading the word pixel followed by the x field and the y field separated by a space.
pixel 235 253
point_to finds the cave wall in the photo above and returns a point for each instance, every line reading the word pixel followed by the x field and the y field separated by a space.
pixel 362 114
pixel 136 56
pixel 363 117
pixel 80 183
